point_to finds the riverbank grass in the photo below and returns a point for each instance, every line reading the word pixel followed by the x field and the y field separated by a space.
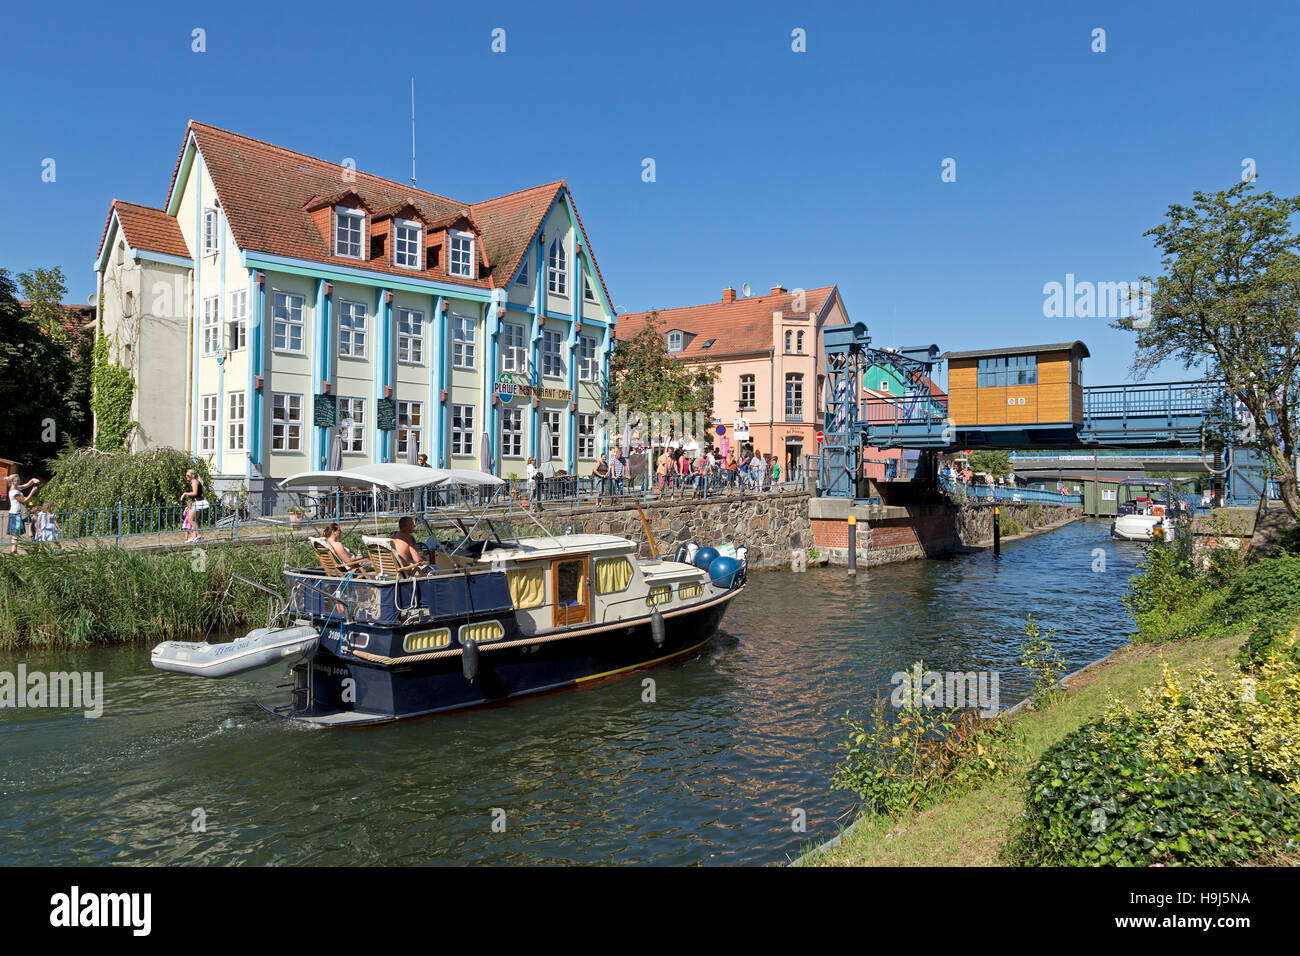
pixel 971 829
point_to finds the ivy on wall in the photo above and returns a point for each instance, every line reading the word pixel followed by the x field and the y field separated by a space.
pixel 112 389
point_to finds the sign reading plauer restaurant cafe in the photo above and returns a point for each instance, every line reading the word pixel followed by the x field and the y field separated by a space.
pixel 508 388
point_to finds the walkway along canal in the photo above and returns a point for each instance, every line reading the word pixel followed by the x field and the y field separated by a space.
pixel 712 771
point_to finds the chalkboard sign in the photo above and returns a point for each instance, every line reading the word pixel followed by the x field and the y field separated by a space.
pixel 386 414
pixel 325 411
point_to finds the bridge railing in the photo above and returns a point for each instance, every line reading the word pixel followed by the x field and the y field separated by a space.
pixel 1104 454
pixel 906 410
pixel 1151 400
pixel 982 491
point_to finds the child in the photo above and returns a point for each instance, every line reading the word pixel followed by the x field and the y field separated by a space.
pixel 47 528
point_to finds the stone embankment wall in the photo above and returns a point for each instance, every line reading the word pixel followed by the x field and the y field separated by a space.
pixel 973 521
pixel 771 525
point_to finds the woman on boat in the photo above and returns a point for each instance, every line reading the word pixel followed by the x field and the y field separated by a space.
pixel 195 495
pixel 345 558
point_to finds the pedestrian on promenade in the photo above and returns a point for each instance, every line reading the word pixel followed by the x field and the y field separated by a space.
pixel 618 471
pixel 15 488
pixel 731 470
pixel 423 460
pixel 47 528
pixel 601 473
pixel 683 471
pixel 194 495
pixel 758 469
pixel 776 471
pixel 664 470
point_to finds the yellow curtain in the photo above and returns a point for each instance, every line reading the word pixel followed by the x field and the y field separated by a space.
pixel 582 589
pixel 612 574
pixel 527 586
pixel 660 594
pixel 482 631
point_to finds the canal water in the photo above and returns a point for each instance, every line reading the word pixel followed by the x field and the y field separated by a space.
pixel 183 770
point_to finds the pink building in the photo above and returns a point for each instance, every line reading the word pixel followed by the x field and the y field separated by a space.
pixel 769 348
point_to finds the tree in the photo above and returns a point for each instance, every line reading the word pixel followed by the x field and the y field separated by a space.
pixel 43 409
pixel 645 378
pixel 1229 299
pixel 995 463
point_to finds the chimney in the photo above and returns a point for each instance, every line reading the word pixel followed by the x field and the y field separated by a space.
pixel 778 290
pixel 728 294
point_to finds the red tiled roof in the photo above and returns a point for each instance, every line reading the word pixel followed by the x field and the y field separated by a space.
pixel 266 190
pixel 738 327
pixel 146 228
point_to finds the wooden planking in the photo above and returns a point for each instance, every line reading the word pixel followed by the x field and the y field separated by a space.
pixel 962 406
pixel 1054 403
pixel 961 374
pixel 1053 368
pixel 1027 413
pixel 992 405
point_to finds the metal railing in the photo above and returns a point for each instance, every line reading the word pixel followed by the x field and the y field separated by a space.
pixel 1148 400
pixel 982 491
pixel 905 410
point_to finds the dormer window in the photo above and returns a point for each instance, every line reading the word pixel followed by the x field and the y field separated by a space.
pixel 209 231
pixel 407 236
pixel 349 228
pixel 676 340
pixel 460 257
pixel 557 274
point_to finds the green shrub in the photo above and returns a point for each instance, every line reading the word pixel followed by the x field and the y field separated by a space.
pixel 910 761
pixel 1167 599
pixel 1095 799
pixel 112 595
pixel 1266 589
pixel 86 480
pixel 1039 656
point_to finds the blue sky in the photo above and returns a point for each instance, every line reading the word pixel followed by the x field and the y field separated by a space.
pixel 772 166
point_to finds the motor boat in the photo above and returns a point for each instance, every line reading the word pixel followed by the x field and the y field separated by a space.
pixel 1147 516
pixel 490 616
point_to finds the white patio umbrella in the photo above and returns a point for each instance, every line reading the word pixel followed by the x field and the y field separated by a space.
pixel 544 463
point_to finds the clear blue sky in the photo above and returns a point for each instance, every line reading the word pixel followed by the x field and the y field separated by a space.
pixel 772 166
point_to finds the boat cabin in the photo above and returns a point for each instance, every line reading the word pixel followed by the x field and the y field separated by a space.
pixel 1027 385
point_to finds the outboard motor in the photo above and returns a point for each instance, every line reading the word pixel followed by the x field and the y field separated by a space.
pixel 742 555
pixel 691 549
pixel 682 551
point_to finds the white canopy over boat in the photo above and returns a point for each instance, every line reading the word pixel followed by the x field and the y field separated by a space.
pixel 392 476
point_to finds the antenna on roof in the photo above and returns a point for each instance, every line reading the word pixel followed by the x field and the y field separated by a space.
pixel 412 131
pixel 745 290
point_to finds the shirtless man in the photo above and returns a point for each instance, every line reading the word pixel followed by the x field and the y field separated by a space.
pixel 404 544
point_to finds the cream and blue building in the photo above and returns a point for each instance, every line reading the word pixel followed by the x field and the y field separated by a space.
pixel 278 305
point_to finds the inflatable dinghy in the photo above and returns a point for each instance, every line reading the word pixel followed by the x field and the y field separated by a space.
pixel 259 648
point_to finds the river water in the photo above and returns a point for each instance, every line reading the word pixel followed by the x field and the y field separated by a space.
pixel 184 770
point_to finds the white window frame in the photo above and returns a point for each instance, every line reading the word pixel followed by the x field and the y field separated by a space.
pixel 512 435
pixel 347 212
pixel 453 237
pixel 752 403
pixel 212 325
pixel 208 423
pixel 514 352
pixel 238 312
pixel 464 341
pixel 586 436
pixel 289 323
pixel 408 425
pixel 675 341
pixel 554 418
pixel 462 430
pixel 286 428
pixel 353 435
pixel 588 365
pixel 211 237
pixel 237 406
pixel 410 344
pixel 557 268
pixel 354 327
pixel 553 360
pixel 401 255
pixel 522 278
pixel 588 293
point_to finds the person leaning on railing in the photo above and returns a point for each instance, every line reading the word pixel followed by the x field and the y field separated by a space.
pixel 601 474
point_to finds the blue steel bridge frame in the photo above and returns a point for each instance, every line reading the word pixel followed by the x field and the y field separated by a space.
pixel 1147 415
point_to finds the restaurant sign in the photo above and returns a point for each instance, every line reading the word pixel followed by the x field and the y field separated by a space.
pixel 508 388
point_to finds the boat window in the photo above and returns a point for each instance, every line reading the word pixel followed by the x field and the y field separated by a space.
pixel 571 583
pixel 660 594
pixel 527 586
pixel 689 591
pixel 480 631
pixel 612 574
pixel 427 640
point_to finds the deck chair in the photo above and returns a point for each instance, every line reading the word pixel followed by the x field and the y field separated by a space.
pixel 329 561
pixel 384 559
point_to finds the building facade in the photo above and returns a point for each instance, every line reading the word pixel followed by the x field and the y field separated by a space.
pixel 286 313
pixel 769 350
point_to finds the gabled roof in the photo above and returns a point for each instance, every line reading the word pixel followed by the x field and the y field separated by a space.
pixel 145 228
pixel 1020 350
pixel 265 191
pixel 740 327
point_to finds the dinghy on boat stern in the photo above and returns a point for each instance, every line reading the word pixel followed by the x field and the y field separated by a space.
pixel 257 649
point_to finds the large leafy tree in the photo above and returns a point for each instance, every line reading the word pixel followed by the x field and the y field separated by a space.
pixel 645 378
pixel 43 381
pixel 995 463
pixel 1229 301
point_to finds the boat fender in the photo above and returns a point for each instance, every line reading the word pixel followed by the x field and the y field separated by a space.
pixel 657 627
pixel 469 661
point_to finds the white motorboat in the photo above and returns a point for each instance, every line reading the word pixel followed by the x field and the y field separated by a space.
pixel 1145 517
